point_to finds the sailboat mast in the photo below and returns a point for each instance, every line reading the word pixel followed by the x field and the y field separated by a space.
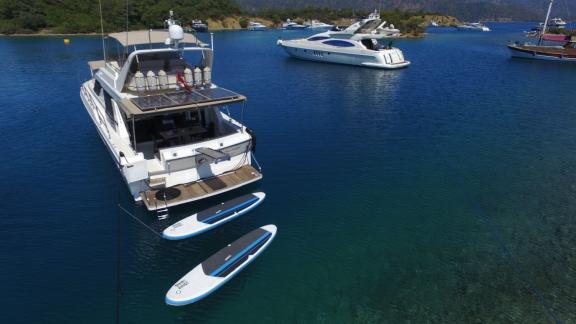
pixel 546 22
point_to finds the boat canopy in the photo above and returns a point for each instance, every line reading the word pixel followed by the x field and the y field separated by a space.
pixel 144 37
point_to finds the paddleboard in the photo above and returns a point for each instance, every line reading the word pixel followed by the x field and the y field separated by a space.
pixel 211 274
pixel 213 217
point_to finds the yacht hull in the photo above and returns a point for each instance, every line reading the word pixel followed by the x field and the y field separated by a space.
pixel 348 58
pixel 203 181
pixel 534 54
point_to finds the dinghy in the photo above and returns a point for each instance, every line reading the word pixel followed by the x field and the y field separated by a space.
pixel 211 274
pixel 213 217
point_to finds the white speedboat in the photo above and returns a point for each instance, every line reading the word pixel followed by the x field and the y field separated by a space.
pixel 165 123
pixel 254 25
pixel 473 27
pixel 315 24
pixel 355 45
pixel 292 25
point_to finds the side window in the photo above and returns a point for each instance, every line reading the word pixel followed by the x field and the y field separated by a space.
pixel 97 88
pixel 339 43
pixel 109 108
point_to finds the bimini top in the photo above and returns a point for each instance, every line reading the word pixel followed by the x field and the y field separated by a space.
pixel 143 37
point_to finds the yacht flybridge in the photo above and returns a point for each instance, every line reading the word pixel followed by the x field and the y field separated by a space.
pixel 167 126
pixel 355 45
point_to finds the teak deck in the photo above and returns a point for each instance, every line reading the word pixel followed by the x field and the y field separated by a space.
pixel 204 188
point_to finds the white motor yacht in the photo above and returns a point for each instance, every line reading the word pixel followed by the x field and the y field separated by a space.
pixel 557 23
pixel 292 25
pixel 315 24
pixel 473 27
pixel 167 126
pixel 254 25
pixel 355 45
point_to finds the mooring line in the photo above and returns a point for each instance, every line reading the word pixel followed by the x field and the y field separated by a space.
pixel 140 221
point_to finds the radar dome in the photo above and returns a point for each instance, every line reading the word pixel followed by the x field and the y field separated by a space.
pixel 176 32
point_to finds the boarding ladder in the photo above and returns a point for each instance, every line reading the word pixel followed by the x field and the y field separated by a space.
pixel 162 211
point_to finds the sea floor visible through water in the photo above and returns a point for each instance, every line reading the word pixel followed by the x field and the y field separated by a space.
pixel 440 193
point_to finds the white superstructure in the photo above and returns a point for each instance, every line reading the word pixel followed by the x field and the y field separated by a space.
pixel 355 45
pixel 167 126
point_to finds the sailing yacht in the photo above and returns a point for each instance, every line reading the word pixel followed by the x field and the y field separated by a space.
pixel 355 45
pixel 564 49
pixel 167 126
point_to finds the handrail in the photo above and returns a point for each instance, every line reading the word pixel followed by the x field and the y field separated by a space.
pixel 257 164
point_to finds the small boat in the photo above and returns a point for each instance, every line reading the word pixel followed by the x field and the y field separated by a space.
pixel 355 45
pixel 473 27
pixel 315 24
pixel 558 22
pixel 433 24
pixel 291 25
pixel 254 25
pixel 542 49
pixel 213 217
pixel 554 23
pixel 211 274
pixel 198 26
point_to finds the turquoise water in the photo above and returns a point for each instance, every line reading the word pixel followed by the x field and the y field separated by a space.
pixel 441 193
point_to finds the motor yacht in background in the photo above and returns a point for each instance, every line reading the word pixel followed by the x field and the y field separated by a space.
pixel 199 27
pixel 291 25
pixel 315 24
pixel 256 26
pixel 557 23
pixel 549 47
pixel 476 27
pixel 355 45
pixel 167 126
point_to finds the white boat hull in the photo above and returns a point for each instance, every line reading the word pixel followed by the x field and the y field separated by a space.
pixel 136 174
pixel 365 58
pixel 536 56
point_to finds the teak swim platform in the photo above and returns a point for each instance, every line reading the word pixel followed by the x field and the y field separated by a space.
pixel 154 198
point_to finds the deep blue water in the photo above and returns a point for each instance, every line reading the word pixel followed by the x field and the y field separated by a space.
pixel 441 193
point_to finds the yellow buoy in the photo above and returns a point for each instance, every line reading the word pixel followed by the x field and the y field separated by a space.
pixel 66 41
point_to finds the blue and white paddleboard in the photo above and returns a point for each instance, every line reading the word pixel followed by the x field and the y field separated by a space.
pixel 211 274
pixel 213 217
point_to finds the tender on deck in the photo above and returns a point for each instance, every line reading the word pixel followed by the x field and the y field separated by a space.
pixel 203 188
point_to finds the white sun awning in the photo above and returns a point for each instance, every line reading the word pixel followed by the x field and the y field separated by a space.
pixel 142 37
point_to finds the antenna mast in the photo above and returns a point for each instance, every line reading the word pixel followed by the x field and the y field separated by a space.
pixel 102 31
pixel 126 48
